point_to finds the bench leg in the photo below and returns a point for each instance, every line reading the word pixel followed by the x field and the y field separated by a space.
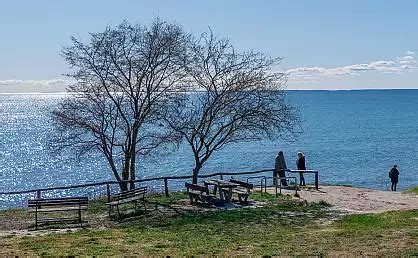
pixel 207 201
pixel 191 198
pixel 145 206
pixel 194 198
pixel 79 217
pixel 246 199
pixel 117 207
pixel 36 220
pixel 243 198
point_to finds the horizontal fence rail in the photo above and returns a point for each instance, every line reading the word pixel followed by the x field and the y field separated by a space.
pixel 165 179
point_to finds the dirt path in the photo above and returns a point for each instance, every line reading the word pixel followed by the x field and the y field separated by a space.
pixel 359 200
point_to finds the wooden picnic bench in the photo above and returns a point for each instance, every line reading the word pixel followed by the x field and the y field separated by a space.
pixel 133 196
pixel 243 190
pixel 224 187
pixel 199 193
pixel 58 205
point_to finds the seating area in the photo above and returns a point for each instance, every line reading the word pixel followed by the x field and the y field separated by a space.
pixel 243 191
pixel 50 211
pixel 199 194
pixel 213 193
pixel 69 210
pixel 136 196
pixel 222 192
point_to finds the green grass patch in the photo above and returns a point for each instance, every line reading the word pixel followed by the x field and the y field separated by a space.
pixel 413 190
pixel 98 206
pixel 381 221
pixel 172 199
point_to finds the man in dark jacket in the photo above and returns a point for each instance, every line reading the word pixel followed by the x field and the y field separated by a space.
pixel 279 169
pixel 394 175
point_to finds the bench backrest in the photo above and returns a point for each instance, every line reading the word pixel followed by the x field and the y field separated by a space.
pixel 197 187
pixel 138 192
pixel 66 201
pixel 243 184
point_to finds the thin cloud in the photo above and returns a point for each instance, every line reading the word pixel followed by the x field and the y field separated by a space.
pixel 406 60
pixel 30 86
pixel 34 82
pixel 397 66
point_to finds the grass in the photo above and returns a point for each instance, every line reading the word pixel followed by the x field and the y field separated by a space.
pixel 413 190
pixel 172 199
pixel 281 227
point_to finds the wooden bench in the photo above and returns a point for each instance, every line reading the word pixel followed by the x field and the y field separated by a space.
pixel 133 196
pixel 58 205
pixel 243 191
pixel 199 193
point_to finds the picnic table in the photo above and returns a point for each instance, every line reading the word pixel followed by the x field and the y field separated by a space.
pixel 225 188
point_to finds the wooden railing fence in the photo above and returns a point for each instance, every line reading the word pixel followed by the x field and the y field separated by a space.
pixel 165 180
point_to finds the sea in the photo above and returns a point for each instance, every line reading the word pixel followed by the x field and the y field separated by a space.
pixel 351 137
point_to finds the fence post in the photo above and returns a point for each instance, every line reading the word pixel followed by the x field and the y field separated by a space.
pixel 38 194
pixel 220 174
pixel 108 191
pixel 166 187
pixel 316 181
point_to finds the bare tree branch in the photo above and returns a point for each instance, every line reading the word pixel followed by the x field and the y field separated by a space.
pixel 122 78
pixel 240 97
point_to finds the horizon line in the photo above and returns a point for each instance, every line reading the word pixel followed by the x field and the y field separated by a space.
pixel 363 89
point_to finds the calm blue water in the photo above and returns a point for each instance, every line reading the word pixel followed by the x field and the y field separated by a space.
pixel 351 137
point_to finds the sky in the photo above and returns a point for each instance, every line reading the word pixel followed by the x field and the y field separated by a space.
pixel 325 44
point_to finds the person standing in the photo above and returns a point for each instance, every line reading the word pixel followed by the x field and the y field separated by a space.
pixel 279 169
pixel 394 176
pixel 301 166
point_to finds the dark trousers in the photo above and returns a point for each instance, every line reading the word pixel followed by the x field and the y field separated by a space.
pixel 393 187
pixel 301 179
pixel 275 175
pixel 279 173
pixel 282 173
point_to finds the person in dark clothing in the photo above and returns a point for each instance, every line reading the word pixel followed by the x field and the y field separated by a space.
pixel 394 175
pixel 279 169
pixel 301 166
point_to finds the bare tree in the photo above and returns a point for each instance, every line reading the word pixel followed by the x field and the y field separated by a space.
pixel 240 98
pixel 122 77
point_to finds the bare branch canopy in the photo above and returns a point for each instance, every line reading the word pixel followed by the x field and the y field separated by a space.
pixel 240 98
pixel 139 88
pixel 121 78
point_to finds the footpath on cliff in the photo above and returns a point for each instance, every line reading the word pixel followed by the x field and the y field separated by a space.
pixel 353 200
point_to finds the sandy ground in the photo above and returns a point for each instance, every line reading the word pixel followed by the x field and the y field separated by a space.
pixel 358 200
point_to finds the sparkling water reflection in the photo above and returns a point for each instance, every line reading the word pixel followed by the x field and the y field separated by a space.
pixel 351 137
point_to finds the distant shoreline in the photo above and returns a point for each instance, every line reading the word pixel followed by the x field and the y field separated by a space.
pixel 288 90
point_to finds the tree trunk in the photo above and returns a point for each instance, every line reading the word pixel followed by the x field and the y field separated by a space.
pixel 123 186
pixel 132 171
pixel 133 157
pixel 196 171
pixel 125 174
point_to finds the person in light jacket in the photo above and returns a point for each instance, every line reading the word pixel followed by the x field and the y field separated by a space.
pixel 279 169
pixel 300 162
